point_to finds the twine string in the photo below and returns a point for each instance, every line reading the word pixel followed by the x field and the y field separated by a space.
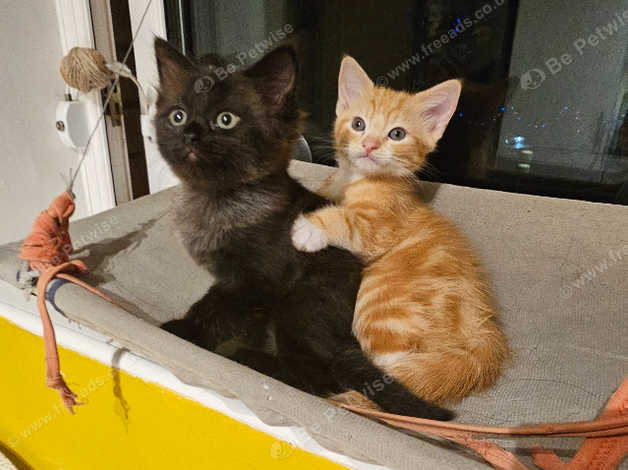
pixel 96 69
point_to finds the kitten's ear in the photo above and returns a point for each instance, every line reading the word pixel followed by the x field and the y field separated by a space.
pixel 274 77
pixel 437 105
pixel 174 68
pixel 353 82
pixel 212 60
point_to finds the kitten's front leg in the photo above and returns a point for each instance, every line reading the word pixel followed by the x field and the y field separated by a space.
pixel 327 226
pixel 334 186
pixel 306 236
pixel 219 316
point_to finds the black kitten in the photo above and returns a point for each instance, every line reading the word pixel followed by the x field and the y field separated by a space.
pixel 229 139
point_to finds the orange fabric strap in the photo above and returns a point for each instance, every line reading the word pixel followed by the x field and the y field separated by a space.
pixel 605 446
pixel 47 249
pixel 594 454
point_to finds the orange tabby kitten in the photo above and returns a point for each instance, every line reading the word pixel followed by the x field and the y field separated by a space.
pixel 423 312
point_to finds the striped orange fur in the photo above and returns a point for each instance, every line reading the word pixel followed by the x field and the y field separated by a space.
pixel 424 312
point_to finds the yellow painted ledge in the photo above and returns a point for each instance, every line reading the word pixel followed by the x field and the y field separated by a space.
pixel 127 423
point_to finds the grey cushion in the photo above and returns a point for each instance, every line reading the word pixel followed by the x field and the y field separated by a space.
pixel 559 269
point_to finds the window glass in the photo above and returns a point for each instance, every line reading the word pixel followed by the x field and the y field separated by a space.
pixel 545 94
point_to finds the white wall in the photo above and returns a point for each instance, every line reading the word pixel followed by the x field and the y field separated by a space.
pixel 31 154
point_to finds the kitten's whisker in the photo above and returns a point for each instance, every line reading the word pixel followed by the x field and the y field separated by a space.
pixel 429 170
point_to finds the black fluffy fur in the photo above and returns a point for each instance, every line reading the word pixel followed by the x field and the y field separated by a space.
pixel 235 216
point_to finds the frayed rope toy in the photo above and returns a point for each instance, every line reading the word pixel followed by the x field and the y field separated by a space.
pixel 46 251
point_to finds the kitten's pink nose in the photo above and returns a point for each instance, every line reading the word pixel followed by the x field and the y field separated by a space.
pixel 370 145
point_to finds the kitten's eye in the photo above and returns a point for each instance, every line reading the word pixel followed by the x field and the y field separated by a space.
pixel 178 117
pixel 397 133
pixel 358 124
pixel 227 120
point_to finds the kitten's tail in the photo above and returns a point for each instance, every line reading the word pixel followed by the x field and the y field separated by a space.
pixel 354 371
pixel 446 376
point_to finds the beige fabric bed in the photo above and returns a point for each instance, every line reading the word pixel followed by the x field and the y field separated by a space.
pixel 559 268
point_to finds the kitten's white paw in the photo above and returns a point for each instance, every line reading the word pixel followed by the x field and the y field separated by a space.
pixel 308 237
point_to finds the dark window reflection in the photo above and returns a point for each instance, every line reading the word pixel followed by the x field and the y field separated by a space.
pixel 545 100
